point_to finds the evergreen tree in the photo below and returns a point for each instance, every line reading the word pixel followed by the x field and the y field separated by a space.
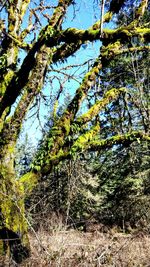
pixel 124 170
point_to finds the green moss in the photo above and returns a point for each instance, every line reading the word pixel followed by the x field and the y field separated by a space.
pixel 25 4
pixel 142 31
pixel 111 49
pixel 109 32
pixel 108 16
pixel 140 11
pixel 49 32
pixel 89 78
pixel 3 61
pixel 66 125
pixel 124 33
pixel 12 204
pixel 28 182
pixel 5 82
pixel 83 141
pixel 93 33
pixel 95 109
pixel 84 35
pixel 57 156
pixel 7 159
pixel 119 139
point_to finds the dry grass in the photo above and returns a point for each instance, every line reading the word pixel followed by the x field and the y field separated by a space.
pixel 75 249
pixel 72 248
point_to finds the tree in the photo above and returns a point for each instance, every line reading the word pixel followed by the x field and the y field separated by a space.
pixel 124 170
pixel 23 77
pixel 124 185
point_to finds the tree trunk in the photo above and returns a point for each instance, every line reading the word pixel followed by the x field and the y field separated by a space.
pixel 13 225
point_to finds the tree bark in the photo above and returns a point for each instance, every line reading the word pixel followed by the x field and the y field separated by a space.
pixel 13 225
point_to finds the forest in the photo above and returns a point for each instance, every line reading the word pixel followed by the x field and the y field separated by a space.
pixel 74 133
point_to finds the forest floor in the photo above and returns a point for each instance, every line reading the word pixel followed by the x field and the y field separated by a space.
pixel 74 248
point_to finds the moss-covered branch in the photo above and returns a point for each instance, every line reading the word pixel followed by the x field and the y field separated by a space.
pixel 69 152
pixel 109 36
pixel 125 139
pixel 11 42
pixel 17 41
pixel 16 11
pixel 12 127
pixel 56 147
pixel 123 34
pixel 116 49
pixel 28 181
pixel 52 36
pixel 56 138
pixel 99 105
pixel 19 81
pixel 56 142
pixel 83 140
pixel 67 49
pixel 141 9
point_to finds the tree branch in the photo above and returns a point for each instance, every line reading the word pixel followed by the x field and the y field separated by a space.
pixel 19 81
pixel 125 139
pixel 109 96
